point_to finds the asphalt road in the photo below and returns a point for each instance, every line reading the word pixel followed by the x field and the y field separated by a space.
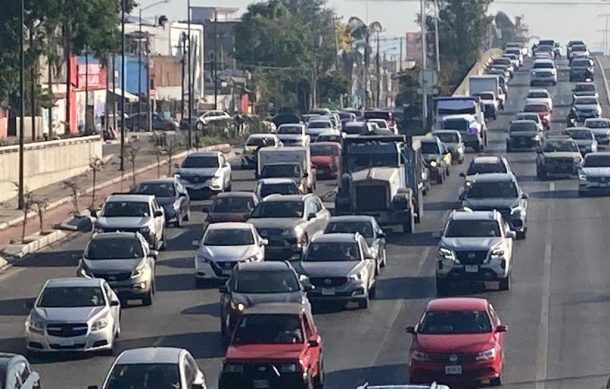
pixel 556 310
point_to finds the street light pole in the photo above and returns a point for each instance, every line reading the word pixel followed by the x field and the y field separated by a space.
pixel 424 107
pixel 140 69
pixel 21 189
pixel 436 37
pixel 190 75
pixel 122 164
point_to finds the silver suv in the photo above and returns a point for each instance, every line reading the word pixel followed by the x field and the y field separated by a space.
pixel 475 246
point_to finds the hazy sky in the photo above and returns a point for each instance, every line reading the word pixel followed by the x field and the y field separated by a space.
pixel 574 19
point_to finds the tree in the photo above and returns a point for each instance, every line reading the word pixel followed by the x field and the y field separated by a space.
pixel 132 151
pixel 509 31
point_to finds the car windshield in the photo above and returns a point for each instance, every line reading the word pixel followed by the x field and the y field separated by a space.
pixel 492 189
pixel 259 141
pixel 269 329
pixel 280 171
pixel 126 209
pixel 332 252
pixel 380 123
pixel 456 124
pixel 593 160
pixel 544 48
pixel 237 204
pixel 290 130
pixel 581 63
pixel 114 248
pixel 318 150
pixel 448 137
pixel 486 96
pixel 586 101
pixel 287 188
pixel 543 65
pixel 200 162
pixel 502 61
pixel 485 168
pixel 319 124
pixel 536 108
pixel 560 145
pixel 528 116
pixel 454 322
pixel 377 115
pixel 597 123
pixel 328 138
pixel 584 87
pixel 355 129
pixel 537 95
pixel 429 148
pixel 71 297
pixel 364 228
pixel 144 376
pixel 158 189
pixel 276 281
pixel 580 134
pixel 523 126
pixel 278 209
pixel 472 229
pixel 228 237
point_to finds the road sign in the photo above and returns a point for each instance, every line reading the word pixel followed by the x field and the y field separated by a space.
pixel 428 78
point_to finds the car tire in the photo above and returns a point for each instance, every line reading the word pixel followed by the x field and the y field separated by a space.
pixel 363 303
pixel 373 292
pixel 224 332
pixel 179 219
pixel 440 178
pixel 448 171
pixel 409 226
pixel 504 283
pixel 147 300
pixel 443 287
pixel 478 147
pixel 318 382
pixel 522 234
pixel 384 257
pixel 163 243
pixel 187 216
pixel 496 381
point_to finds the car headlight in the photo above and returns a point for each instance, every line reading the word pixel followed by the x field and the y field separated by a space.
pixel 582 176
pixel 516 210
pixel 233 368
pixel 98 229
pixel 145 230
pixel 577 159
pixel 216 180
pixel 497 253
pixel 487 355
pixel 533 73
pixel 289 368
pixel 35 324
pixel 446 253
pixel 138 272
pixel 433 163
pixel 100 324
pixel 419 356
pixel 239 307
pixel 356 277
pixel 200 257
pixel 252 258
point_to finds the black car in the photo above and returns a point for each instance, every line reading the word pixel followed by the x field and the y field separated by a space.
pixel 256 283
pixel 171 195
pixel 368 227
pixel 581 69
pixel 139 122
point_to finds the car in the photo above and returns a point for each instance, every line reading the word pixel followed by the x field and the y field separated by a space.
pixel 366 226
pixel 515 59
pixel 316 126
pixel 347 117
pixel 382 124
pixel 543 112
pixel 543 72
pixel 522 134
pixel 543 55
pixel 471 130
pixel 529 116
pixel 253 144
pixel 133 212
pixel 474 247
pixel 557 156
pixel 539 95
pixel 231 207
pixel 485 165
pixel 582 69
pixel 384 114
pixel 550 46
pixel 211 117
pixel 259 283
pixel 504 70
pixel 330 136
pixel 204 173
pixel 594 174
pixel 579 50
pixel 584 89
pixel 326 158
pixel 458 339
pixel 334 119
pixel 490 103
pixel 584 138
pixel 569 47
pixel 222 247
pixel 170 195
pixel 433 385
pixel 139 122
pixel 516 52
pixel 452 139
pixel 319 111
pixel 308 116
pixel 293 134
pixel 585 107
pixel 289 222
pixel 154 367
pixel 342 269
pixel 269 186
pixel 502 61
pixel 275 345
pixel 74 315
pixel 17 373
pixel 358 128
pixel 499 191
pixel 125 261
pixel 519 45
pixel 600 128
pixel 437 158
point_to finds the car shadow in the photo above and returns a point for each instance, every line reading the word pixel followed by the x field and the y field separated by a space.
pixel 211 309
pixel 15 307
pixel 423 238
pixel 175 282
pixel 441 205
pixel 202 345
pixel 394 374
pixel 557 194
pixel 405 288
pixel 51 259
pixel 177 263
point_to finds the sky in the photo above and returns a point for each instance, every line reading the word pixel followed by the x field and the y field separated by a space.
pixel 562 20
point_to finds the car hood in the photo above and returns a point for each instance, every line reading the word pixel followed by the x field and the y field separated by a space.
pixel 489 204
pixel 262 352
pixel 330 269
pixel 221 217
pixel 290 137
pixel 586 106
pixel 523 133
pixel 597 171
pixel 68 315
pixel 583 142
pixel 322 160
pixel 562 154
pixel 165 201
pixel 600 131
pixel 123 222
pixel 228 253
pixel 470 243
pixel 459 344
pixel 250 299
pixel 283 223
pixel 112 265
pixel 209 171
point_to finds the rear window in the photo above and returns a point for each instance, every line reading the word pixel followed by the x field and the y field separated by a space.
pixel 355 129
pixel 378 115
pixel 597 124
pixel 319 124
pixel 536 108
pixel 586 87
pixel 538 95
pixel 586 101
pixel 318 149
pixel 523 126
pixel 485 168
pixel 581 63
pixel 533 117
pixel 544 65
pixel 593 160
pixel 456 124
pixel 447 137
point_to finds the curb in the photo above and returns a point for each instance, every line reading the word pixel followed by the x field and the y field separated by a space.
pixel 604 79
pixel 38 242
pixel 57 203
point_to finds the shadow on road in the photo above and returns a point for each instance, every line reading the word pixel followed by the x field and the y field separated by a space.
pixel 440 205
pixel 51 259
pixel 211 309
pixel 557 194
pixel 15 307
pixel 375 375
pixel 405 288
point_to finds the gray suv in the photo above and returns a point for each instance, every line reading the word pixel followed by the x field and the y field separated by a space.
pixel 476 247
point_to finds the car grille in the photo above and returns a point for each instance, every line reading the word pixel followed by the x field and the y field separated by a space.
pixel 471 257
pixel 598 179
pixel 327 282
pixel 112 277
pixel 115 229
pixel 270 232
pixel 221 268
pixel 76 346
pixel 371 197
pixel 559 164
pixel 453 358
pixel 67 330
pixel 196 179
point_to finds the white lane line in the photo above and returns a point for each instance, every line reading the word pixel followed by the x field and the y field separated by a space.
pixel 543 330
pixel 551 187
pixel 159 341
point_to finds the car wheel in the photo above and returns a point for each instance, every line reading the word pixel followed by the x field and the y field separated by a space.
pixel 229 187
pixel 505 283
pixel 187 216
pixel 478 147
pixel 147 300
pixel 319 380
pixel 363 303
pixel 224 331
pixel 496 381
pixel 373 292
pixel 522 234
pixel 448 171
pixel 178 222
pixel 409 226
pixel 440 177
pixel 384 257
pixel 163 243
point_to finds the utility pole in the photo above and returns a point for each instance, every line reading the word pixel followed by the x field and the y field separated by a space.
pixel 140 69
pixel 33 91
pixel 436 37
pixel 20 198
pixel 400 56
pixel 336 42
pixel 424 106
pixel 123 77
pixel 378 71
pixel 86 90
pixel 605 31
pixel 190 75
pixel 215 59
pixel 183 37
pixel 366 68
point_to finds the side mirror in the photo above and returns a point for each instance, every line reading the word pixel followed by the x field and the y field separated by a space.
pixel 114 303
pixel 154 254
pixel 525 196
pixel 313 343
pixel 311 216
pixel 223 289
pixel 205 209
pixel 158 213
pixel 511 234
pixel 381 234
pixel 410 330
pixel 177 165
pixel 195 243
pixel 305 175
pixel 304 280
pixel 264 242
pixel 463 175
pixel 502 328
pixel 182 194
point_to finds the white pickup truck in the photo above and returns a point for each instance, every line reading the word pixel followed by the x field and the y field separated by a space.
pixel 288 162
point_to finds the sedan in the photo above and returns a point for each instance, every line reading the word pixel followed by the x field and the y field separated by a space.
pixel 231 207
pixel 17 373
pixel 585 108
pixel 270 186
pixel 455 144
pixel 594 175
pixel 74 315
pixel 326 158
pixel 172 196
pixel 584 138
pixel 600 128
pixel 543 112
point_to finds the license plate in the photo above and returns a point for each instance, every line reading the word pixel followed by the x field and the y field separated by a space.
pixel 328 292
pixel 453 369
pixel 471 268
pixel 66 342
pixel 260 384
pixel 319 171
pixel 227 272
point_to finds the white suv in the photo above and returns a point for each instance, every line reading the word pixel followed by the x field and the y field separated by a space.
pixel 205 173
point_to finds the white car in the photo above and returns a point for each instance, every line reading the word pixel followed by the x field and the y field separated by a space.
pixel 293 135
pixel 539 96
pixel 533 116
pixel 211 117
pixel 381 123
pixel 205 173
pixel 154 367
pixel 317 126
pixel 600 128
pixel 223 246
pixel 269 186
pixel 72 315
pixel 594 174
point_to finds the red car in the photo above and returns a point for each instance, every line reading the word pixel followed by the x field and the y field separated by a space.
pixel 274 345
pixel 458 341
pixel 231 207
pixel 543 112
pixel 326 158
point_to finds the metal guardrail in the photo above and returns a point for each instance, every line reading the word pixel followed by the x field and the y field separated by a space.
pixel 604 78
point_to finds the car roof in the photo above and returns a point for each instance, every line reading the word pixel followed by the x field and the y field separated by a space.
pixel 576 98
pixel 495 177
pixel 276 181
pixel 332 132
pixel 150 355
pixel 290 197
pixel 473 215
pixel 72 281
pixel 263 136
pixel 578 129
pixel 429 139
pixel 538 90
pixel 335 238
pixel 325 120
pixel 275 309
pixel 235 194
pixel 130 197
pixel 597 120
pixel 327 144
pixel 599 153
pixel 457 304
pixel 544 60
pixel 115 235
pixel 446 132
pixel 464 116
pixel 6 358
pixel 204 154
pixel 352 218
pixel 263 266
pixel 487 159
pixel 168 180
pixel 292 125
pixel 523 121
pixel 229 226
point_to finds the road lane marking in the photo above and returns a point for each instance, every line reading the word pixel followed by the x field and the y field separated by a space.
pixel 551 187
pixel 543 329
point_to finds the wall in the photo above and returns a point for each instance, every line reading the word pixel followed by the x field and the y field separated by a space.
pixel 479 68
pixel 46 163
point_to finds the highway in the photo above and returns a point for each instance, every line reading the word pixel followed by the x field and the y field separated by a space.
pixel 556 309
